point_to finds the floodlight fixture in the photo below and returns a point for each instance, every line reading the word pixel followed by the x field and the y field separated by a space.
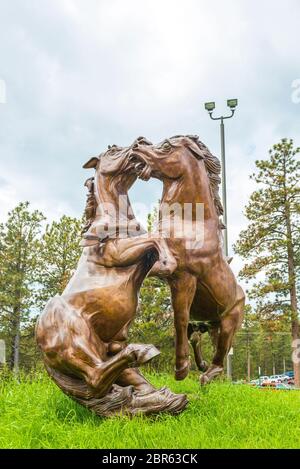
pixel 232 103
pixel 210 106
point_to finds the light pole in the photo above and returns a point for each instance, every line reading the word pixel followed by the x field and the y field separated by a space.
pixel 232 104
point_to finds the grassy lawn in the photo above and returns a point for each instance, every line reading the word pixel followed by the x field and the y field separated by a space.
pixel 35 414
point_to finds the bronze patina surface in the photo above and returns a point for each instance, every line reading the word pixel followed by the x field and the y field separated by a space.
pixel 83 333
pixel 203 286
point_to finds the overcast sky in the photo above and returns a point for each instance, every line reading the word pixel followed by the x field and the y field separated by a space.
pixel 80 75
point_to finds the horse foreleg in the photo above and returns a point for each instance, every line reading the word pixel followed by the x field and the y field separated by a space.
pixel 130 376
pixel 109 371
pixel 183 289
pixel 125 252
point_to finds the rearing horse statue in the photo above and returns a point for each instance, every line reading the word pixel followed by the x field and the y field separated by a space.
pixel 83 332
pixel 203 286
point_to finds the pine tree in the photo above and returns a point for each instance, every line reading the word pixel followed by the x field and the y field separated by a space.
pixel 60 253
pixel 271 242
pixel 19 258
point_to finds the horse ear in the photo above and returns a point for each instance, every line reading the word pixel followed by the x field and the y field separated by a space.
pixel 92 163
pixel 195 149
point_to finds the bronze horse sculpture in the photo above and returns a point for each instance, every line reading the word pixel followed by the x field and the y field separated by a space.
pixel 203 286
pixel 83 332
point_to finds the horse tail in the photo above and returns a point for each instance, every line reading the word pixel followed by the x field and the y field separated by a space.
pixel 114 402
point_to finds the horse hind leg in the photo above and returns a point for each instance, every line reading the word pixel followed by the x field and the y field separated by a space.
pixel 195 338
pixel 68 345
pixel 182 289
pixel 101 373
pixel 72 361
pixel 105 398
pixel 71 346
pixel 224 338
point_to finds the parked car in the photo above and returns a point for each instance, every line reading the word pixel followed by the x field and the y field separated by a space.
pixel 290 374
pixel 284 378
pixel 276 379
pixel 268 383
pixel 282 386
pixel 263 378
pixel 277 386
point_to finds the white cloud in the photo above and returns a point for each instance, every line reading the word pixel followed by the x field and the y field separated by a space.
pixel 83 75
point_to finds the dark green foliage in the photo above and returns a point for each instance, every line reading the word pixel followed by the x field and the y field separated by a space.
pixel 19 259
pixel 60 252
pixel 33 268
pixel 271 243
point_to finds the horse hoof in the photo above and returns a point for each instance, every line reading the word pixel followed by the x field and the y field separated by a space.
pixel 145 353
pixel 163 268
pixel 212 372
pixel 182 373
pixel 157 401
pixel 204 379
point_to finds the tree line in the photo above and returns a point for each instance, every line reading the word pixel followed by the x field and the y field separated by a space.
pixel 35 264
pixel 270 245
pixel 37 260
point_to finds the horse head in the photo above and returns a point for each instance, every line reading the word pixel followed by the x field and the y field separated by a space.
pixel 167 159
pixel 108 197
pixel 115 162
pixel 175 157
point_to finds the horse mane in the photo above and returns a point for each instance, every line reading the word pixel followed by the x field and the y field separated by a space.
pixel 213 169
pixel 91 204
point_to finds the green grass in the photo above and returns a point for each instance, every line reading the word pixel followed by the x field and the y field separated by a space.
pixel 35 414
